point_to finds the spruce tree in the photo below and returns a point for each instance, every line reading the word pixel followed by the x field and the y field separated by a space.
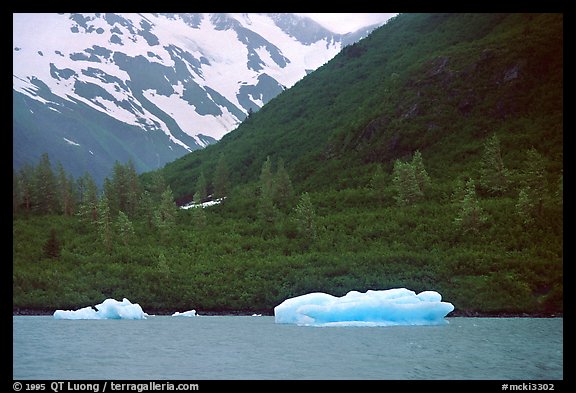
pixel 199 217
pixel 378 180
pixel 108 190
pixel 221 179
pixel 283 191
pixel 116 189
pixel 162 264
pixel 405 183
pixel 45 187
pixel 534 181
pixel 420 175
pixel 266 209
pixel 525 206
pixel 146 208
pixel 124 228
pixel 91 196
pixel 133 190
pixel 410 180
pixel 52 246
pixel 26 185
pixel 73 192
pixel 305 217
pixel 201 192
pixel 156 186
pixel 88 209
pixel 165 217
pixel 459 191
pixel 80 190
pixel 65 193
pixel 123 189
pixel 494 176
pixel 105 230
pixel 470 215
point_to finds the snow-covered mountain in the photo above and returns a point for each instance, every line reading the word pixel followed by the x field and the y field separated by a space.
pixel 90 89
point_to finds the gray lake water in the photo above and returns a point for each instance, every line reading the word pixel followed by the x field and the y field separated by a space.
pixel 243 347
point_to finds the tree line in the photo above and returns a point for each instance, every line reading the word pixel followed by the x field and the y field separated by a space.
pixel 123 199
pixel 410 181
pixel 41 191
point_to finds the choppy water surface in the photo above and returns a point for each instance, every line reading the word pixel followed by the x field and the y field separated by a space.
pixel 243 347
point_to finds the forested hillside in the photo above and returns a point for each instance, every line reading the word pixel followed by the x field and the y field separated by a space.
pixel 428 156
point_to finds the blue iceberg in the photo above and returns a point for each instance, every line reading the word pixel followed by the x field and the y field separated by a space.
pixel 392 307
pixel 108 309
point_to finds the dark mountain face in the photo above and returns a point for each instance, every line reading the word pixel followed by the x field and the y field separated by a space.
pixel 93 89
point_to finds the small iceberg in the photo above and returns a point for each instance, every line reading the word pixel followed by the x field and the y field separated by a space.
pixel 191 313
pixel 392 307
pixel 108 309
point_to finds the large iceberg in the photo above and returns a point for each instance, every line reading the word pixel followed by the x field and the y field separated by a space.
pixel 108 309
pixel 398 306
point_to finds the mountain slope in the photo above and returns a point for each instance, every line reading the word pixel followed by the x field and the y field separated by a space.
pixel 436 83
pixel 90 89
pixel 442 84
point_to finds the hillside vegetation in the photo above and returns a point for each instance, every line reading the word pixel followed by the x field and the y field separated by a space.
pixel 428 156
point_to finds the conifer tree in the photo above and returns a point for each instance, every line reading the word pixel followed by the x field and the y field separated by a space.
pixel 283 191
pixel 52 246
pixel 221 178
pixel 420 174
pixel 146 208
pixel 123 189
pixel 64 190
pixel 73 192
pixel 266 209
pixel 26 186
pixel 199 218
pixel 90 197
pixel 378 180
pixel 470 215
pixel 156 186
pixel 80 190
pixel 410 180
pixel 405 183
pixel 108 190
pixel 525 206
pixel 494 176
pixel 201 193
pixel 117 191
pixel 133 189
pixel 305 216
pixel 162 264
pixel 105 230
pixel 534 179
pixel 124 228
pixel 45 186
pixel 459 191
pixel 165 217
